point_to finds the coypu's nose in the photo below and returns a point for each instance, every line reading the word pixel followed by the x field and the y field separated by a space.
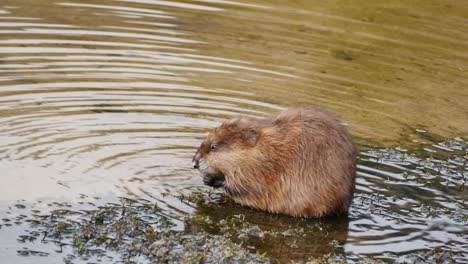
pixel 195 160
pixel 195 164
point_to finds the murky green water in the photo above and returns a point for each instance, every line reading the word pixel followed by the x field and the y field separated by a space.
pixel 103 103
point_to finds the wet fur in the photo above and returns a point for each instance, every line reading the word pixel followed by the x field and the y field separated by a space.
pixel 299 163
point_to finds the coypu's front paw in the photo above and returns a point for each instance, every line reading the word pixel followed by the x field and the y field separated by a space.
pixel 213 181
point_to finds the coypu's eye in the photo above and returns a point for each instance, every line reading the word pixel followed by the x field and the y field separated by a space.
pixel 213 146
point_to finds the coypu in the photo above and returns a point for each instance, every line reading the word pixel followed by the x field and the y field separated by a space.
pixel 301 162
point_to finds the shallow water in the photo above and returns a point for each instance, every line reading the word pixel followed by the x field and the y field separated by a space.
pixel 110 99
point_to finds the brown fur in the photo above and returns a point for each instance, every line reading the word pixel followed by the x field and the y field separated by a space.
pixel 301 162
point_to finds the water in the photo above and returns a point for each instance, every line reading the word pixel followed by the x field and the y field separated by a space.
pixel 110 99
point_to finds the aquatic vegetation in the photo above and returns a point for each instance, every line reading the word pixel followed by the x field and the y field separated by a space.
pixel 129 232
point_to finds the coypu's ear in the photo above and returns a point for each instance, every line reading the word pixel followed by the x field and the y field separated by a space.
pixel 250 136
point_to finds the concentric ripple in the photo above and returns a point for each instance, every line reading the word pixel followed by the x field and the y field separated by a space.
pixel 110 99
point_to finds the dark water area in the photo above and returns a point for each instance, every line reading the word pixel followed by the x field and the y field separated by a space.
pixel 103 104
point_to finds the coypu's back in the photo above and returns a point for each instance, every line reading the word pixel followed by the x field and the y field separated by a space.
pixel 300 163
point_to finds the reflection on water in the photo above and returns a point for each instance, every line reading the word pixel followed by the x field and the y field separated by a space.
pixel 110 99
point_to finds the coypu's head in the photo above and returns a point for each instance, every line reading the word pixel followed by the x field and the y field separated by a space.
pixel 224 149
